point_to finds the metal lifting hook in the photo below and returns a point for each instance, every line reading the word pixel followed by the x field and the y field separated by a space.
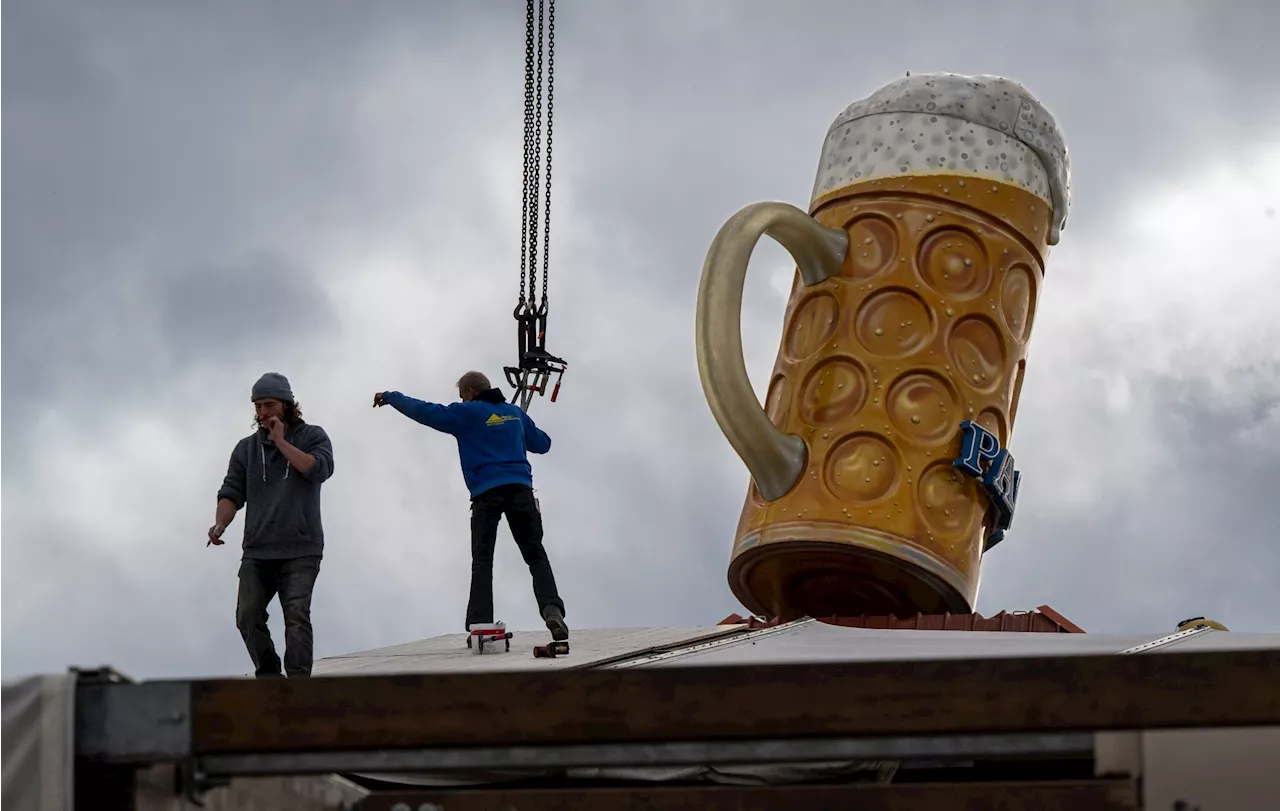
pixel 536 364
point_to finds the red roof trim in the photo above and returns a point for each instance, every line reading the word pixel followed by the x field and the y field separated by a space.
pixel 1042 620
pixel 1067 625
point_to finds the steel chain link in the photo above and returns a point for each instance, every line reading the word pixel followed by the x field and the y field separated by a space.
pixel 546 228
pixel 533 155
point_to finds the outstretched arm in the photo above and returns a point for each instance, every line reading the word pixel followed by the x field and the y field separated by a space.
pixel 535 439
pixel 433 415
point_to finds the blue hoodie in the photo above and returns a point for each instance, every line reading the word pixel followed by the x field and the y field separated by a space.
pixel 493 436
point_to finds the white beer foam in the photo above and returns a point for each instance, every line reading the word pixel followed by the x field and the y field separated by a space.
pixel 944 123
pixel 897 144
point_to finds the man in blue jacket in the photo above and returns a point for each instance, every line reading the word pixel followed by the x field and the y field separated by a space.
pixel 494 437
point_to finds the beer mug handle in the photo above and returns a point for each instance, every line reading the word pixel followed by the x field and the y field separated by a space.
pixel 776 460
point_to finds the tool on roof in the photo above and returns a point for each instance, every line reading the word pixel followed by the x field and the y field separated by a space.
pixel 536 365
pixel 558 648
pixel 1201 622
pixel 485 638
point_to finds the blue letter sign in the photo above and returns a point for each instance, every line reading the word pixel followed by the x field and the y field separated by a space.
pixel 982 457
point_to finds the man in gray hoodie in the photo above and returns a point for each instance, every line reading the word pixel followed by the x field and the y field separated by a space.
pixel 277 471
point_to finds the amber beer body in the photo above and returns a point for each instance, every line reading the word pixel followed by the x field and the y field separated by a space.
pixel 947 192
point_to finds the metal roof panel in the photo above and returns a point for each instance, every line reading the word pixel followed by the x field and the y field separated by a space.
pixel 812 641
pixel 449 653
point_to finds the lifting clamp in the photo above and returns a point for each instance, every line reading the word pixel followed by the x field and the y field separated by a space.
pixel 536 364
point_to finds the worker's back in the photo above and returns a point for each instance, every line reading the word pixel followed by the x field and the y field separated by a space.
pixel 494 439
pixel 494 436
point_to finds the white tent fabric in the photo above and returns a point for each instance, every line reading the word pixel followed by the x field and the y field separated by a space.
pixel 38 743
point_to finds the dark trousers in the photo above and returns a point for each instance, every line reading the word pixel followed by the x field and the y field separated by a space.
pixel 260 581
pixel 516 502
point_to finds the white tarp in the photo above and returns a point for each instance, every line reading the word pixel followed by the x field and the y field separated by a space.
pixel 38 743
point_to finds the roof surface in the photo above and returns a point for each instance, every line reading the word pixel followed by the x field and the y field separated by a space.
pixel 449 653
pixel 805 640
pixel 812 641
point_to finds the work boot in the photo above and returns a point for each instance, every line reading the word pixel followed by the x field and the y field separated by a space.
pixel 555 623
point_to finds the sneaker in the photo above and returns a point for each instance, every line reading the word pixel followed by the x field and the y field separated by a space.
pixel 555 623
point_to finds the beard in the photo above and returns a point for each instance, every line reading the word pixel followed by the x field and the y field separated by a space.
pixel 290 416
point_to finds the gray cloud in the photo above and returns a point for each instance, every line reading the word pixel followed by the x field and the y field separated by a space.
pixel 197 196
pixel 159 149
pixel 1188 536
pixel 232 310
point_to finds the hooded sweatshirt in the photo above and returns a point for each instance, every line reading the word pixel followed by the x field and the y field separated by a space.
pixel 493 436
pixel 283 516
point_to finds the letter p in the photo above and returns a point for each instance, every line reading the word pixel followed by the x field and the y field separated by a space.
pixel 978 448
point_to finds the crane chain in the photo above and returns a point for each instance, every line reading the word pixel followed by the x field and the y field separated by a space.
pixel 546 228
pixel 536 365
pixel 528 148
pixel 537 173
pixel 533 157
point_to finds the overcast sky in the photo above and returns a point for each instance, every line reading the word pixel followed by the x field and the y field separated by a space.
pixel 195 194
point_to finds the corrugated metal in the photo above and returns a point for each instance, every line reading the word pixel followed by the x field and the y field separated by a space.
pixel 1005 622
pixel 1062 622
pixel 39 724
pixel 1042 620
pixel 810 641
pixel 449 653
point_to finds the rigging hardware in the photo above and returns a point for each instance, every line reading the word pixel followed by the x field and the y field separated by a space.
pixel 536 365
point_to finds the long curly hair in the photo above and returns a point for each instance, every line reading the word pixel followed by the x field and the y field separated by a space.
pixel 292 415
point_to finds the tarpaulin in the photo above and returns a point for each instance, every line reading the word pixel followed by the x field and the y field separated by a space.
pixel 38 743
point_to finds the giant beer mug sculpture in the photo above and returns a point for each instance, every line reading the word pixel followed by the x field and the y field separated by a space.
pixel 879 466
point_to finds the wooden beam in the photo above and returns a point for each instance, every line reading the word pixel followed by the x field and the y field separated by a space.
pixel 864 699
pixel 1076 795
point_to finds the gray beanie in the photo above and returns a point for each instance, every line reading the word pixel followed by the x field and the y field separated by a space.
pixel 272 385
